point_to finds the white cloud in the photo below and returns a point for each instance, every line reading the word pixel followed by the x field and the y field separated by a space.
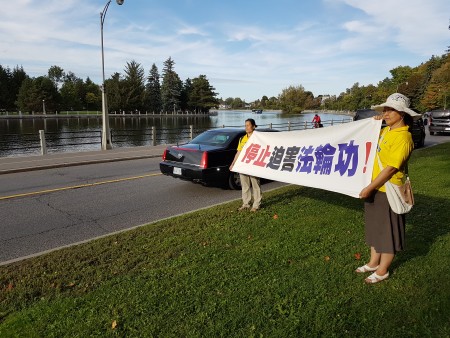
pixel 413 25
pixel 325 53
pixel 191 30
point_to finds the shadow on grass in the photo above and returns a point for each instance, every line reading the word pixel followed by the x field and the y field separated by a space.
pixel 426 222
pixel 323 196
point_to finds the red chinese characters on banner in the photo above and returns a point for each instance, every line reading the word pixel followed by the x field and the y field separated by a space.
pixel 252 152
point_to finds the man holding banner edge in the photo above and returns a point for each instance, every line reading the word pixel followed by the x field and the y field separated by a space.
pixel 248 183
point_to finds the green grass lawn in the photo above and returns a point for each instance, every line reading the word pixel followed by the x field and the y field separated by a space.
pixel 286 271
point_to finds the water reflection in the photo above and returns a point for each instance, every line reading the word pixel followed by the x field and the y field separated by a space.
pixel 21 136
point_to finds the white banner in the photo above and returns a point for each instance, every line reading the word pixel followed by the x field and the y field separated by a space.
pixel 337 158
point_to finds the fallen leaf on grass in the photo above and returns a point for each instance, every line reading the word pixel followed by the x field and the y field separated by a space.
pixel 327 258
pixel 357 256
pixel 114 324
pixel 10 287
pixel 275 216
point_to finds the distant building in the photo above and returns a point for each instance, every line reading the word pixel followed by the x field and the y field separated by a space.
pixel 325 97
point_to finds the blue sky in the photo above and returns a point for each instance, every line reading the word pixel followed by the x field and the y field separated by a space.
pixel 246 48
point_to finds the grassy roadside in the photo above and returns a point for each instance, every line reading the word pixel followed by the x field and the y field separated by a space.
pixel 286 271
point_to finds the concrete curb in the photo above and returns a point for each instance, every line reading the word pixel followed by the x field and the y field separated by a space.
pixel 10 165
pixel 73 164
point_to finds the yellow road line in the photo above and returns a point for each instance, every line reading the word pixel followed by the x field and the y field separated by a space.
pixel 77 186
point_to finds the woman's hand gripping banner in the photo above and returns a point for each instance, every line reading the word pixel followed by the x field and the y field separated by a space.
pixel 337 158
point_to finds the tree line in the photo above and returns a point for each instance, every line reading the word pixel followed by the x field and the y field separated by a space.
pixel 129 92
pixel 427 85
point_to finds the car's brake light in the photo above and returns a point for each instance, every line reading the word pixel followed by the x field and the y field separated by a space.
pixel 204 160
pixel 164 155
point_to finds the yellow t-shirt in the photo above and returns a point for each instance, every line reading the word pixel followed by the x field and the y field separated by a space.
pixel 242 141
pixel 394 148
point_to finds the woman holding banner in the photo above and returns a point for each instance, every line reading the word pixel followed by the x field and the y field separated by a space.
pixel 384 229
pixel 248 183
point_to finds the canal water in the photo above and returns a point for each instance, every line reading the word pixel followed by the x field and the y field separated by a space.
pixel 20 136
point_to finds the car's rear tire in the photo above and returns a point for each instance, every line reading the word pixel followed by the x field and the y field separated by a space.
pixel 431 132
pixel 234 181
pixel 422 141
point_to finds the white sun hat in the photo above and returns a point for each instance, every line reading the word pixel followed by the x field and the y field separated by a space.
pixel 397 101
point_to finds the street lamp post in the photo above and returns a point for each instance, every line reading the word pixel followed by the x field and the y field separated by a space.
pixel 106 135
pixel 43 107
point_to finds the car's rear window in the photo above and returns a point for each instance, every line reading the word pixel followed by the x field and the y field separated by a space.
pixel 214 138
pixel 364 114
pixel 440 115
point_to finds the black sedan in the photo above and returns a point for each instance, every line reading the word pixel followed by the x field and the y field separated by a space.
pixel 206 159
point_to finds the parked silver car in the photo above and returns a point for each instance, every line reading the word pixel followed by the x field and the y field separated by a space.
pixel 439 121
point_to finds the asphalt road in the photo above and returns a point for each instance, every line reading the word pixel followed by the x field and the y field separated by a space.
pixel 435 139
pixel 46 209
pixel 51 208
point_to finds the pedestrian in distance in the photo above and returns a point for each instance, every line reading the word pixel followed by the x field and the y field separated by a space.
pixel 384 229
pixel 250 185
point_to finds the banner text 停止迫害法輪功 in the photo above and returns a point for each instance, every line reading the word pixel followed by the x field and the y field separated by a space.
pixel 337 158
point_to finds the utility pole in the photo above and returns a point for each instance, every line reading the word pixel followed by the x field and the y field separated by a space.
pixel 106 134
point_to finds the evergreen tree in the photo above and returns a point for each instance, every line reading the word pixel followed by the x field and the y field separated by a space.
pixel 34 91
pixel 185 94
pixel 202 96
pixel 153 91
pixel 18 75
pixel 10 83
pixel 115 102
pixel 171 87
pixel 133 87
pixel 5 78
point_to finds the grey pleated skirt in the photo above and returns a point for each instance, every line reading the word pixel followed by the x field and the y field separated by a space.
pixel 385 230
